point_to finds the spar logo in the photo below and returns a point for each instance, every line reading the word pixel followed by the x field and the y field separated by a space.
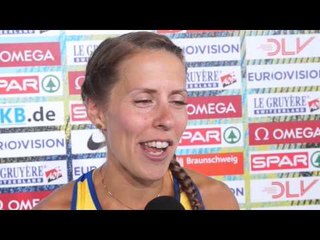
pixel 76 80
pixel 232 135
pixel 315 159
pixel 214 107
pixel 50 84
pixel 297 161
pixel 284 132
pixel 314 105
pixel 212 136
pixel 288 46
pixel 19 84
pixel 201 136
pixel 30 54
pixel 53 174
pixel 289 189
pixel 42 83
pixel 31 114
pixel 78 113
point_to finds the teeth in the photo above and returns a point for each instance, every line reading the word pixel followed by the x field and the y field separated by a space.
pixel 157 144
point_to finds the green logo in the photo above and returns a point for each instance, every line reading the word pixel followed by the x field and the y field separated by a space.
pixel 232 135
pixel 50 84
pixel 315 159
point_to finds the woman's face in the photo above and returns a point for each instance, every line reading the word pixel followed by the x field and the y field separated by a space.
pixel 146 113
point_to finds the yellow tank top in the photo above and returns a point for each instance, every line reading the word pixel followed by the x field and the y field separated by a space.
pixel 84 196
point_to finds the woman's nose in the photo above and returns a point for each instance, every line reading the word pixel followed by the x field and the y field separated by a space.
pixel 164 118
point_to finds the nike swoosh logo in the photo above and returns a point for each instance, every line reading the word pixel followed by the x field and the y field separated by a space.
pixel 92 145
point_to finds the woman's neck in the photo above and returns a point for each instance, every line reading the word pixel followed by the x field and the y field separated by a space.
pixel 125 192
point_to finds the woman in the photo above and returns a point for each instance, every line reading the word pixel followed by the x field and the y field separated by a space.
pixel 134 92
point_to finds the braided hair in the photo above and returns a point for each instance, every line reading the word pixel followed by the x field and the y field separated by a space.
pixel 186 183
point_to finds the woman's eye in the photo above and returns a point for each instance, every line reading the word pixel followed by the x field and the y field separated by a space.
pixel 143 101
pixel 181 103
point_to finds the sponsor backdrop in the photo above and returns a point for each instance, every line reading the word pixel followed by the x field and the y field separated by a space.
pixel 254 113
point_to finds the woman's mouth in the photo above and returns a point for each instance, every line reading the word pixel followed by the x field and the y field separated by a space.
pixel 156 150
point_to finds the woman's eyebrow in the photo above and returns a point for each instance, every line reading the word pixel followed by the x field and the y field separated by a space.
pixel 180 91
pixel 152 91
pixel 144 90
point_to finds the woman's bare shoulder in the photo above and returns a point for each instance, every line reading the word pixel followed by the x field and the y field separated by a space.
pixel 216 195
pixel 59 199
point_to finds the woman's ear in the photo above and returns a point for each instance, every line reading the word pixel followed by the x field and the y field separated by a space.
pixel 95 114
